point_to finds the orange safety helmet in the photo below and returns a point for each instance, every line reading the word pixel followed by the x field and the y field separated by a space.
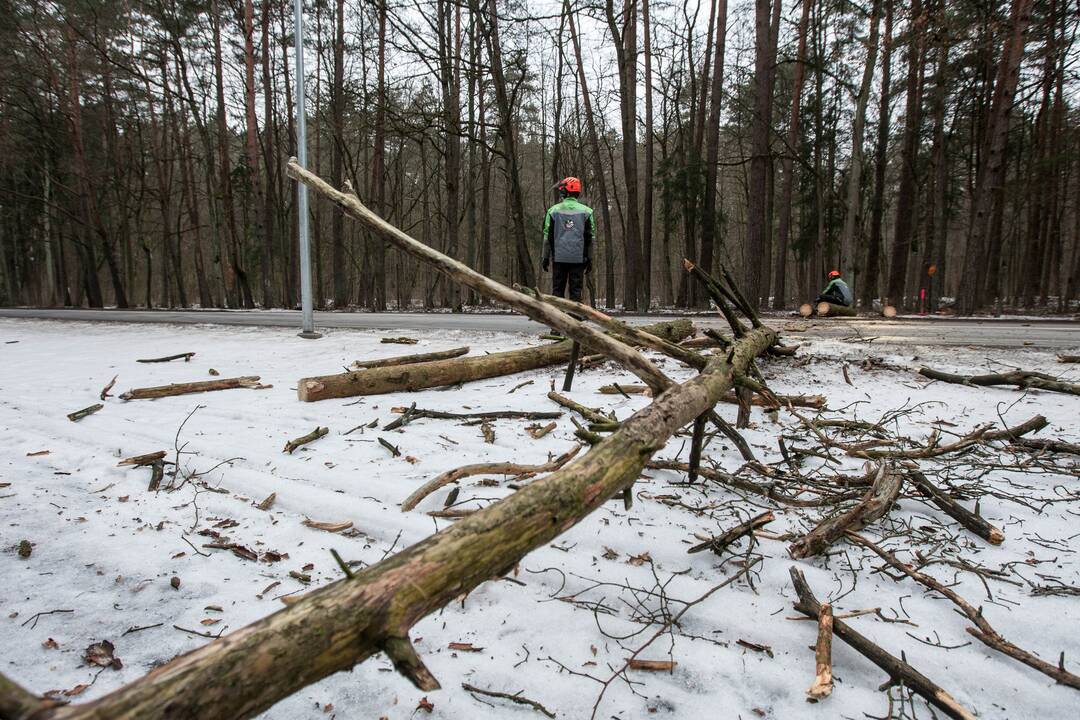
pixel 570 185
pixel 834 274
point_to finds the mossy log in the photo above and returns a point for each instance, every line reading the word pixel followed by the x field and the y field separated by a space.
pixel 341 624
pixel 418 376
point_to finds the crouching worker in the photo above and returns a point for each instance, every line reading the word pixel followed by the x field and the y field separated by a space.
pixel 568 233
pixel 836 292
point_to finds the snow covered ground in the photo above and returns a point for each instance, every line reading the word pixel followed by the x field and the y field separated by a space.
pixel 105 551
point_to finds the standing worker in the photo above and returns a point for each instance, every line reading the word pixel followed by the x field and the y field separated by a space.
pixel 836 292
pixel 569 229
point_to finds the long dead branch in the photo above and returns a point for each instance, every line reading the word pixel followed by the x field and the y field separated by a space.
pixel 1023 379
pixel 979 435
pixel 899 671
pixel 1058 446
pixel 983 630
pixel 411 359
pixel 201 386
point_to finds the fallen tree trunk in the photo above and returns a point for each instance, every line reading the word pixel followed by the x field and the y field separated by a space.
pixel 201 386
pixel 411 359
pixel 418 376
pixel 1069 358
pixel 1023 379
pixel 874 505
pixel 899 671
pixel 339 625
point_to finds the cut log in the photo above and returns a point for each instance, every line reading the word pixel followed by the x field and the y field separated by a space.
pixel 888 311
pixel 874 505
pixel 411 359
pixel 418 376
pixel 827 309
pixel 1023 379
pixel 899 671
pixel 1068 358
pixel 150 393
pixel 806 309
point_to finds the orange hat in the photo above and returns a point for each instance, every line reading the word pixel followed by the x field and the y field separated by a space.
pixel 834 274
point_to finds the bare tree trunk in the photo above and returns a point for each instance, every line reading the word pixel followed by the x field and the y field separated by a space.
pixel 712 142
pixel 523 258
pixel 337 141
pixel 872 278
pixel 625 42
pixel 271 290
pixel 780 299
pixel 753 255
pixel 647 223
pixel 909 157
pixel 854 188
pixel 991 173
pixel 236 281
pixel 377 189
pixel 597 160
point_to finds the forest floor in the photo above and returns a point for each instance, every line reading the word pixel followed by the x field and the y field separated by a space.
pixel 113 561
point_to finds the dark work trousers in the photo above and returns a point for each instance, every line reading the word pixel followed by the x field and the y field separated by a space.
pixel 834 298
pixel 563 274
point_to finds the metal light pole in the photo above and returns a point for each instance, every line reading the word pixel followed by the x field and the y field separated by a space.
pixel 308 327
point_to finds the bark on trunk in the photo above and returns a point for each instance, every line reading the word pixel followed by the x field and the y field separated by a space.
pixel 417 376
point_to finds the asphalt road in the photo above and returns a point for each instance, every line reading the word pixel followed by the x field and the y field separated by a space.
pixel 1049 334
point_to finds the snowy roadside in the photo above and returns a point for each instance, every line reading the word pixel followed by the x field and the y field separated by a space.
pixel 106 549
